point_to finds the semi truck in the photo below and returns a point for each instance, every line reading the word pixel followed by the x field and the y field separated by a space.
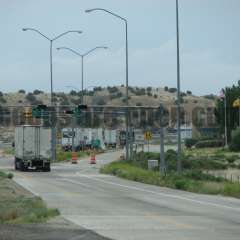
pixel 32 147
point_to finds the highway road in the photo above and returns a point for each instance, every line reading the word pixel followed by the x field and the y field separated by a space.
pixel 126 210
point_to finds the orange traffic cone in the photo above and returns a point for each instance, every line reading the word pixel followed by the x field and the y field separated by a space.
pixel 74 158
pixel 93 158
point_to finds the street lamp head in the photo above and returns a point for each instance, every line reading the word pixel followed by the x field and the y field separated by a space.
pixel 79 32
pixel 89 10
pixel 24 29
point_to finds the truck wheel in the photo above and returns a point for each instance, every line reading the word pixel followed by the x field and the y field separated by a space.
pixel 22 166
pixel 16 164
pixel 47 169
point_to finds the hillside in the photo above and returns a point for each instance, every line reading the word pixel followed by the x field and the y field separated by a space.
pixel 114 96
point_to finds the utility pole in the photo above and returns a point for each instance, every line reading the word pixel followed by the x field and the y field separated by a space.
pixel 162 155
pixel 179 162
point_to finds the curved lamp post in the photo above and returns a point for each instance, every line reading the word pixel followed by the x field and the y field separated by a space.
pixel 51 40
pixel 82 57
pixel 126 36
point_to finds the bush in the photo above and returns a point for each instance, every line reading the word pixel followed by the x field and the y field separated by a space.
pixel 73 93
pixel 10 175
pixel 155 96
pixel 172 90
pixel 232 158
pixel 32 99
pixel 149 89
pixel 190 142
pixel 209 144
pixel 36 92
pixel 2 100
pixel 166 89
pixel 181 184
pixel 235 143
pixel 189 92
pixel 112 89
pixel 138 104
pixel 22 91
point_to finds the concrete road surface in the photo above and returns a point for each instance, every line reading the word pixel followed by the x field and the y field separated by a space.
pixel 125 210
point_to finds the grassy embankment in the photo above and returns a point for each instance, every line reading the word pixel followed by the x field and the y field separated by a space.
pixel 67 156
pixel 195 177
pixel 19 206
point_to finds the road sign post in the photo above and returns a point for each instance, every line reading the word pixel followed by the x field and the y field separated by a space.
pixel 148 137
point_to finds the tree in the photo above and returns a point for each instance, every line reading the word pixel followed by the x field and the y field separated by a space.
pixel 231 94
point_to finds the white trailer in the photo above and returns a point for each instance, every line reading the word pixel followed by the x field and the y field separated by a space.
pixel 66 140
pixel 110 137
pixel 32 147
pixel 83 138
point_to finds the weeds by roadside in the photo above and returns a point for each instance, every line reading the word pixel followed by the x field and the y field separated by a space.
pixel 66 156
pixel 193 179
pixel 19 206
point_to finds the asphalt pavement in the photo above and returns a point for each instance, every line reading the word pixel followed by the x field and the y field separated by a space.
pixel 121 209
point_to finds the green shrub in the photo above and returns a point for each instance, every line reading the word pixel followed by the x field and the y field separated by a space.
pixel 232 189
pixel 10 175
pixel 190 142
pixel 181 184
pixel 232 158
pixel 235 143
pixel 209 144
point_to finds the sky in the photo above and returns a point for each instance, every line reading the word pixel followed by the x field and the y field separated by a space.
pixel 209 44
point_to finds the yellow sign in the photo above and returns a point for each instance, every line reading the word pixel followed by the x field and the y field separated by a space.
pixel 148 136
pixel 236 103
pixel 59 135
pixel 27 113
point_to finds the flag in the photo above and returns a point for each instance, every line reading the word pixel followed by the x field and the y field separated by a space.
pixel 222 94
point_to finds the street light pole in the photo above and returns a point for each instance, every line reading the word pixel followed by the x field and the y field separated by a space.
pixel 82 58
pixel 51 40
pixel 82 95
pixel 126 35
pixel 179 162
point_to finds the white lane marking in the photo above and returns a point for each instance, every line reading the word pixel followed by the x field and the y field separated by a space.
pixel 75 182
pixel 165 194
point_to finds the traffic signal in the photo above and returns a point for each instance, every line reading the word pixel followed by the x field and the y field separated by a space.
pixel 79 109
pixel 69 112
pixel 41 111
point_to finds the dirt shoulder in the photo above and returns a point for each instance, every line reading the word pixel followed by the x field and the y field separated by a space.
pixel 24 216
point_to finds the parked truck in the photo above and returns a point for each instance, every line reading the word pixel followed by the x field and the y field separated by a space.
pixel 32 147
pixel 110 138
pixel 84 138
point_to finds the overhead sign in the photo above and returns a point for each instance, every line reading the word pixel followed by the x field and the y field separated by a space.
pixel 148 136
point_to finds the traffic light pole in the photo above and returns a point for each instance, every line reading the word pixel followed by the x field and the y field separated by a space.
pixel 53 129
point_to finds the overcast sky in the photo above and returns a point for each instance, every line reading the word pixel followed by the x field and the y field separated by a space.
pixel 209 39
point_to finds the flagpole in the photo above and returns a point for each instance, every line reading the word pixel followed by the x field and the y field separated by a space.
pixel 225 106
